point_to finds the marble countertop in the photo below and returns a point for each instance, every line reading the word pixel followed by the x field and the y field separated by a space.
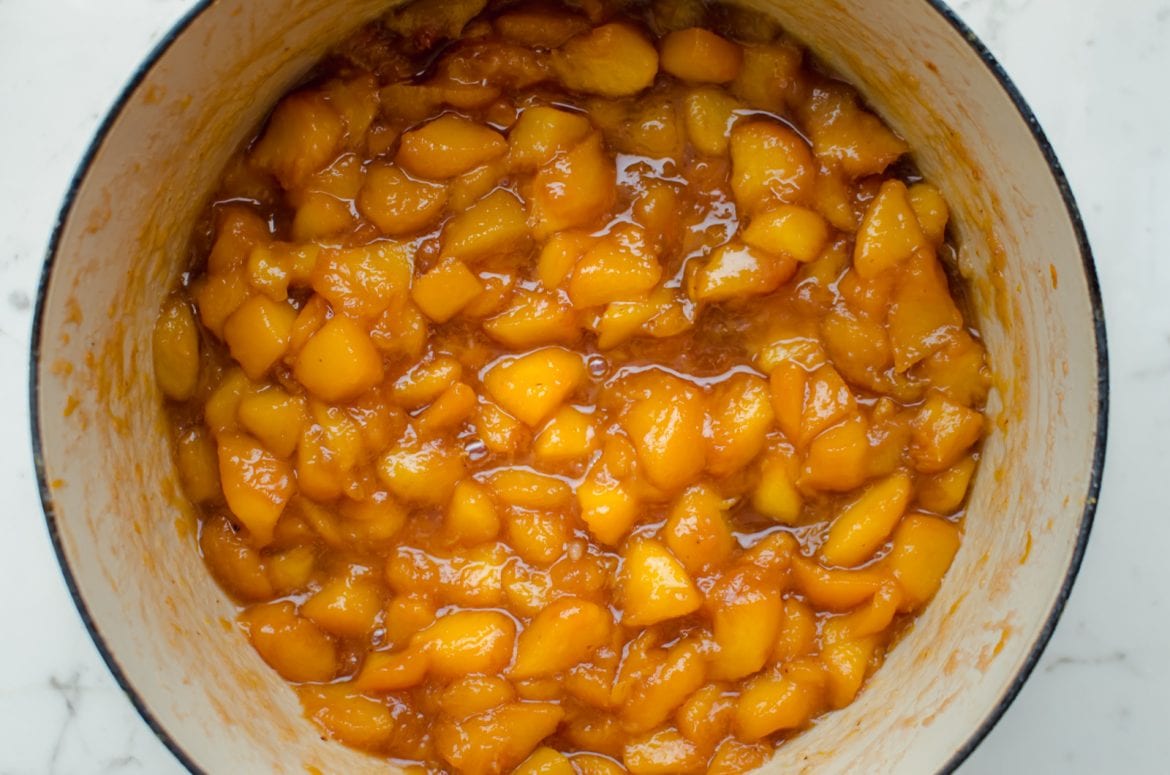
pixel 1093 70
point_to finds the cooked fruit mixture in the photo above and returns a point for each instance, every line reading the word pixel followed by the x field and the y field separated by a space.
pixel 573 389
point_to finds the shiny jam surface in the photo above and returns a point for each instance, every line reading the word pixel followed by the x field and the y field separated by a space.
pixel 573 389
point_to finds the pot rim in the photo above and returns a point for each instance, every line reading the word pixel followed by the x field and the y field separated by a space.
pixel 937 6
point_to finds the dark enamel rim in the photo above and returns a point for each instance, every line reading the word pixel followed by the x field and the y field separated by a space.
pixel 1058 176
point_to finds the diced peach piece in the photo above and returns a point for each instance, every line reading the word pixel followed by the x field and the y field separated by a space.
pixel 303 135
pixel 275 418
pixel 233 563
pixel 238 231
pixel 666 427
pixel 539 27
pixel 397 203
pixel 472 517
pixel 709 113
pixel 747 615
pixel 257 334
pixel 736 271
pixel 865 524
pixel 930 208
pixel 767 73
pixel 620 266
pixel 889 232
pixel 538 536
pixel 836 590
pixel 349 717
pixel 175 349
pixel 543 131
pixel 846 135
pixel 775 495
pixel 363 281
pixel 500 432
pixel 827 401
pixel 422 473
pixel 872 618
pixel 655 696
pixel 697 532
pixel 665 752
pixel 529 489
pixel 426 381
pixel 386 671
pixel 771 703
pixel 923 315
pixel 942 432
pixel 623 319
pixel 798 631
pixel 575 189
pixel 292 646
pixel 770 165
pixel 473 694
pixel 846 664
pixel 533 386
pixel 197 459
pixel 545 761
pixel 559 255
pixel 741 415
pixel 467 641
pixel 613 60
pixel 345 606
pixel 705 717
pixel 449 410
pixel 563 634
pixel 448 146
pixel 944 492
pixel 217 296
pixel 533 318
pixel 699 55
pixel 654 585
pixel 497 740
pixel 923 549
pixel 493 225
pixel 256 484
pixel 735 758
pixel 789 230
pixel 837 459
pixel 608 508
pixel 339 362
pixel 568 436
pixel 446 289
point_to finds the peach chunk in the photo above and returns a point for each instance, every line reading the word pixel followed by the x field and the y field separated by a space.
pixel 347 606
pixel 930 208
pixel 697 532
pixel 768 73
pixel 543 131
pixel 545 761
pixel 349 717
pixel 772 703
pixel 467 641
pixel 889 232
pixel 848 136
pixel 234 563
pixel 666 427
pixel 654 585
pixel 701 56
pixel 741 415
pixel 474 694
pixel 256 484
pixel 775 495
pixel 303 135
pixel 613 60
pixel 448 146
pixel 748 611
pixel 619 266
pixel 498 739
pixel 533 386
pixel 865 524
pixel 735 758
pixel 493 225
pixel 423 473
pixel 709 113
pixel 446 289
pixel 608 508
pixel 363 281
pixel 275 418
pixel 397 203
pixel 736 271
pixel 534 318
pixel 576 188
pixel 846 663
pixel 923 316
pixel 175 350
pixel 292 646
pixel 568 436
pixel 942 432
pixel 339 362
pixel 426 381
pixel 770 164
pixel 472 517
pixel 530 490
pixel 923 549
pixel 944 491
pixel 258 333
pixel 563 634
pixel 789 230
pixel 665 752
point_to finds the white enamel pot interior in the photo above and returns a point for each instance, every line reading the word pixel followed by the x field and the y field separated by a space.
pixel 123 534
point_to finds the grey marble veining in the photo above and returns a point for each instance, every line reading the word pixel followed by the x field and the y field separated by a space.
pixel 1095 72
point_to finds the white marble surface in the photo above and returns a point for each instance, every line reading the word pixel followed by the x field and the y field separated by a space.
pixel 1094 71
